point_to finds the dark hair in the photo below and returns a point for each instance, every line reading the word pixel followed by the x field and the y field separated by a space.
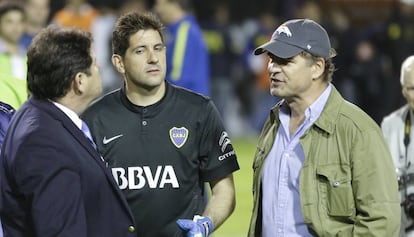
pixel 129 24
pixel 329 69
pixel 54 58
pixel 7 6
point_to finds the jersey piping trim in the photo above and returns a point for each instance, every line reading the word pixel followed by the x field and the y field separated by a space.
pixel 179 50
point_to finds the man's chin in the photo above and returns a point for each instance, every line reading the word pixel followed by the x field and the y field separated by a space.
pixel 275 92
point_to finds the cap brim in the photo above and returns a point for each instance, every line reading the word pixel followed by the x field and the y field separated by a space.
pixel 279 49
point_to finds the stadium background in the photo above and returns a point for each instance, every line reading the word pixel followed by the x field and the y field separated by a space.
pixel 238 223
pixel 363 15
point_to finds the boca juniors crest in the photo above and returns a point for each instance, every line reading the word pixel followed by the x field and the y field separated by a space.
pixel 178 136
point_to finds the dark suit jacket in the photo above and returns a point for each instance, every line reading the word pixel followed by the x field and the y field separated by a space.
pixel 6 113
pixel 54 183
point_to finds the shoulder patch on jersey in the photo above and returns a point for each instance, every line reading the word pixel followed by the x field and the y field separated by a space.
pixel 178 136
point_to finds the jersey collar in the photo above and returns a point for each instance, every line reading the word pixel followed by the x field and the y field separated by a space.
pixel 151 109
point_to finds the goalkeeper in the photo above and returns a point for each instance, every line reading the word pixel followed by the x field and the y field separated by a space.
pixel 162 142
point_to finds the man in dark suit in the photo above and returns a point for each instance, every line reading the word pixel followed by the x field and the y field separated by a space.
pixel 53 181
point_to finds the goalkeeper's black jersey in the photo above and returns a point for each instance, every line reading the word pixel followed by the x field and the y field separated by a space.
pixel 160 155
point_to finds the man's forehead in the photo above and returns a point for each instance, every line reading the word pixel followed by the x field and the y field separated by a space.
pixel 409 77
pixel 152 34
pixel 145 37
pixel 409 68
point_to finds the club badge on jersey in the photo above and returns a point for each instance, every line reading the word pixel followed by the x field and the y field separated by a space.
pixel 178 136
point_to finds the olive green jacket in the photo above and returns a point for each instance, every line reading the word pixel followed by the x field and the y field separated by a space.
pixel 348 185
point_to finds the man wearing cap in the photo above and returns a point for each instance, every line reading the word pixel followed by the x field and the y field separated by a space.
pixel 322 167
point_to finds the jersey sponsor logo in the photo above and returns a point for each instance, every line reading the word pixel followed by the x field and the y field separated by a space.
pixel 178 136
pixel 225 156
pixel 108 140
pixel 224 141
pixel 139 177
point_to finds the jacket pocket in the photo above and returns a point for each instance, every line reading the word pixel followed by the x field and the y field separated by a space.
pixel 336 182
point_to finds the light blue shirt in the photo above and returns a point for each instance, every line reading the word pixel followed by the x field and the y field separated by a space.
pixel 282 215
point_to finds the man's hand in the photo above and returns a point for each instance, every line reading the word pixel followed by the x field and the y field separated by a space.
pixel 200 226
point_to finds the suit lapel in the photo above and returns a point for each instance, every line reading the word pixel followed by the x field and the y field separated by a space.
pixel 68 124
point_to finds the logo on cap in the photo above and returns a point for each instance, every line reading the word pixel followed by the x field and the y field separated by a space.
pixel 284 29
pixel 178 136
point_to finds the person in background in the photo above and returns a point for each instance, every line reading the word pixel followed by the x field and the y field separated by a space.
pixel 399 134
pixel 76 13
pixel 322 166
pixel 53 180
pixel 162 142
pixel 373 86
pixel 13 86
pixel 257 66
pixel 101 30
pixel 37 16
pixel 6 113
pixel 187 54
pixel 217 35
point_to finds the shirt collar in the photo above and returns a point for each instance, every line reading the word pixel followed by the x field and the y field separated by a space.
pixel 315 109
pixel 151 110
pixel 70 113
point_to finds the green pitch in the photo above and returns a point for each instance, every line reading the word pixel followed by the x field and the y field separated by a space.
pixel 238 223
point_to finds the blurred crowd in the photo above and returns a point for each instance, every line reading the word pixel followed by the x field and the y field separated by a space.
pixel 368 59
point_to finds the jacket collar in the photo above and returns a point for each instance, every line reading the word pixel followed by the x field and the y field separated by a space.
pixel 328 117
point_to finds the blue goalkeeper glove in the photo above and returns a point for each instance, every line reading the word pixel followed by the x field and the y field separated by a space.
pixel 200 226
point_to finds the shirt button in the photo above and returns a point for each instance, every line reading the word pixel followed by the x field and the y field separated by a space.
pixel 279 230
pixel 144 110
pixel 144 123
pixel 131 229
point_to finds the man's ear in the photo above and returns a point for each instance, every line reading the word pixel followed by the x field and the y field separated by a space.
pixel 318 68
pixel 78 84
pixel 118 64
